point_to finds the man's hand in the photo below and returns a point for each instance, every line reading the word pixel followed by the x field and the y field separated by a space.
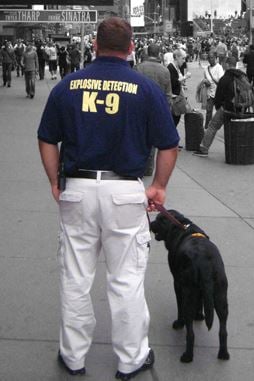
pixel 55 192
pixel 155 195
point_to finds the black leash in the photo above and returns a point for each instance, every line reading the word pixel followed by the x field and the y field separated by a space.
pixel 169 216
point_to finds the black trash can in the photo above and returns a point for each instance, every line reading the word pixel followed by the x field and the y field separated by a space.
pixel 194 131
pixel 239 138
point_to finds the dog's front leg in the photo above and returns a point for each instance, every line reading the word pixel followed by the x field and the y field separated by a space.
pixel 187 356
pixel 179 323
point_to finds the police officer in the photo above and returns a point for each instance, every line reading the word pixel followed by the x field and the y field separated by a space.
pixel 107 118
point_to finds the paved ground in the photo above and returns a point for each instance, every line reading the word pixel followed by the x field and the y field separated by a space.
pixel 217 196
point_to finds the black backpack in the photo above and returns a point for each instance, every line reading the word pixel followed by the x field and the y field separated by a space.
pixel 243 93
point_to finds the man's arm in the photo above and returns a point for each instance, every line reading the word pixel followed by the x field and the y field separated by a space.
pixel 50 159
pixel 165 164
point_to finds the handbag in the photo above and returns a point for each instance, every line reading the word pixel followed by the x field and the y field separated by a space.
pixel 180 105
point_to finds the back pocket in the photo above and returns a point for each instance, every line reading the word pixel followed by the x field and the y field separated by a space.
pixel 129 209
pixel 71 207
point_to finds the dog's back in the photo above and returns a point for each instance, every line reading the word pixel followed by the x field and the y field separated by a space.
pixel 202 269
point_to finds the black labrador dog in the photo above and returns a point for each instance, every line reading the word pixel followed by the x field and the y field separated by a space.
pixel 200 280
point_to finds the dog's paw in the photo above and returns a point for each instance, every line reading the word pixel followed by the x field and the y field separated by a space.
pixel 223 355
pixel 199 316
pixel 186 357
pixel 178 324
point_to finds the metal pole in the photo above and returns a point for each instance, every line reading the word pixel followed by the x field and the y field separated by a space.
pixel 82 47
pixel 251 21
pixel 211 16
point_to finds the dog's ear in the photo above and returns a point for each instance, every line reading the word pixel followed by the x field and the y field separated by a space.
pixel 180 217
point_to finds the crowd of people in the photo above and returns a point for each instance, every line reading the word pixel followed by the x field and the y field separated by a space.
pixel 29 59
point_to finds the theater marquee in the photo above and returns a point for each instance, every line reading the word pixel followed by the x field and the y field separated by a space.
pixel 50 16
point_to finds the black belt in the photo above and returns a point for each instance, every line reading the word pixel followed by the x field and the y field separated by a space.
pixel 107 175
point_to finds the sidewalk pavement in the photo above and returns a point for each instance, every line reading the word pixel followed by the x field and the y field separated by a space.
pixel 217 196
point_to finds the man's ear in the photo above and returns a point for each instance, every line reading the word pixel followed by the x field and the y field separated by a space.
pixel 131 47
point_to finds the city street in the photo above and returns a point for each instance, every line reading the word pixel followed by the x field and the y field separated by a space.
pixel 216 196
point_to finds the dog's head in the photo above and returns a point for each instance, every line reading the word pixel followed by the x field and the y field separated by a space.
pixel 164 229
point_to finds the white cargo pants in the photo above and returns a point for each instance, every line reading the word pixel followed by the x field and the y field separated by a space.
pixel 108 215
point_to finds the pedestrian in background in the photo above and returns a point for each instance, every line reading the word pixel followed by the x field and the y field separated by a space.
pixel 19 49
pixel 153 69
pixel 87 55
pixel 7 57
pixel 131 58
pixel 223 101
pixel 75 58
pixel 212 74
pixel 168 56
pixel 107 130
pixel 221 51
pixel 42 58
pixel 177 78
pixel 30 64
pixel 51 51
pixel 62 61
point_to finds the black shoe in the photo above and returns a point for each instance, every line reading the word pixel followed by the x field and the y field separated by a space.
pixel 31 96
pixel 77 372
pixel 9 85
pixel 201 153
pixel 148 364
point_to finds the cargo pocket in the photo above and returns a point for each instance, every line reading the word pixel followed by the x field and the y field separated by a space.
pixel 70 207
pixel 60 249
pixel 143 247
pixel 129 209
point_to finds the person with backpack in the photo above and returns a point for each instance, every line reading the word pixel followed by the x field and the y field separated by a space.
pixel 212 74
pixel 234 93
pixel 248 61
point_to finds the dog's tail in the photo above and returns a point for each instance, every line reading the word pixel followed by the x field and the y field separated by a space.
pixel 207 292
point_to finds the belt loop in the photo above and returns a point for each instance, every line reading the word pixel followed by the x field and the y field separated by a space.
pixel 98 177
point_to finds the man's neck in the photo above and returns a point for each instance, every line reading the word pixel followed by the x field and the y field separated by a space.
pixel 110 53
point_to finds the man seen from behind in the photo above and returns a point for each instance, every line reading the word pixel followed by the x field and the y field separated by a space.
pixel 106 117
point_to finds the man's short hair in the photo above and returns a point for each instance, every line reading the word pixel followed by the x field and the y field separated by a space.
pixel 114 34
pixel 153 50
pixel 231 61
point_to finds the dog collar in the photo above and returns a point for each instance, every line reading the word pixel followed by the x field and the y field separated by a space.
pixel 198 235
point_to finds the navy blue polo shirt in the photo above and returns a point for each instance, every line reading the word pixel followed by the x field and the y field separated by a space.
pixel 108 117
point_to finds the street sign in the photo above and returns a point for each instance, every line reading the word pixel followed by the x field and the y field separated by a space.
pixel 50 16
pixel 168 26
pixel 62 2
